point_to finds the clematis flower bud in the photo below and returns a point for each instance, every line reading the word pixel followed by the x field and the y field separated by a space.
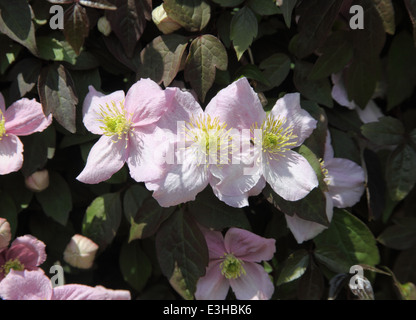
pixel 80 252
pixel 104 26
pixel 38 181
pixel 163 22
pixel 5 234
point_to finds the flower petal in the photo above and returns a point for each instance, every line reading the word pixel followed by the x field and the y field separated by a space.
pixel 83 292
pixel 11 154
pixel 212 286
pixel 237 105
pixel 248 246
pixel 215 243
pixel 181 182
pixel 91 108
pixel 25 117
pixel 147 102
pixel 370 113
pixel 5 233
pixel 346 182
pixel 26 285
pixel 339 93
pixel 254 285
pixel 28 250
pixel 298 119
pixel 2 104
pixel 304 230
pixel 105 158
pixel 291 176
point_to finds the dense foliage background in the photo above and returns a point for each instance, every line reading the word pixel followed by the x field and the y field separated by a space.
pixel 295 46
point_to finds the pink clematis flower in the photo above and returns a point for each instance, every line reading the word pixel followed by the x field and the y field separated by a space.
pixel 345 180
pixel 233 261
pixel 284 128
pixel 370 113
pixel 127 125
pixel 22 118
pixel 35 285
pixel 197 154
pixel 25 253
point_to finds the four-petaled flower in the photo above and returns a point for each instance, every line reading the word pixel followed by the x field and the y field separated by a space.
pixel 234 261
pixel 22 118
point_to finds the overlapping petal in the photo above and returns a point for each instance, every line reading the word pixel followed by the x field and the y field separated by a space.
pixel 11 154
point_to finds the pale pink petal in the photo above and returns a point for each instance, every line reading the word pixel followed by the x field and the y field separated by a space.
pixel 212 286
pixel 304 230
pixel 2 104
pixel 25 117
pixel 93 103
pixel 329 151
pixel 83 292
pixel 301 122
pixel 5 233
pixel 346 182
pixel 181 182
pixel 291 176
pixel 215 243
pixel 146 102
pixel 146 154
pixel 105 158
pixel 237 105
pixel 238 201
pixel 28 250
pixel 339 93
pixel 258 188
pixel 80 252
pixel 11 154
pixel 254 285
pixel 184 107
pixel 248 246
pixel 26 285
pixel 370 113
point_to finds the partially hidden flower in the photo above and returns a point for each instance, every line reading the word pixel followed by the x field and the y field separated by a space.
pixel 234 262
pixel 127 125
pixel 197 154
pixel 25 253
pixel 80 252
pixel 163 22
pixel 273 135
pixel 22 118
pixel 5 234
pixel 35 285
pixel 38 181
pixel 345 181
pixel 370 113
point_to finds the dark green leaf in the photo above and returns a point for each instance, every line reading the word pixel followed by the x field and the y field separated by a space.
pixel 135 266
pixel 385 131
pixel 228 3
pixel 287 9
pixel 264 7
pixel 276 69
pixel 76 26
pixel 193 15
pixel 243 30
pixel 316 141
pixel 102 219
pixel 293 267
pixel 411 9
pixel 251 71
pixel 8 211
pixel 399 236
pixel 8 52
pixel 347 242
pixel 24 76
pixel 311 285
pixel 182 253
pixel 133 200
pixel 206 54
pixel 56 200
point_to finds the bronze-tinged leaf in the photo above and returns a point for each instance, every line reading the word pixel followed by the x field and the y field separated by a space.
pixel 206 54
pixel 386 11
pixel 57 95
pixel 193 15
pixel 98 4
pixel 76 26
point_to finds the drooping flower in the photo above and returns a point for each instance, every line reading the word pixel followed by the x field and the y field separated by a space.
pixel 370 113
pixel 273 135
pixel 345 180
pixel 22 118
pixel 25 253
pixel 127 125
pixel 35 285
pixel 234 261
pixel 198 152
pixel 38 181
pixel 80 252
pixel 5 233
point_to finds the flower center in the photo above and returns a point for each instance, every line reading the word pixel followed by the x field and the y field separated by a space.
pixel 14 264
pixel 115 121
pixel 276 138
pixel 2 126
pixel 210 138
pixel 232 267
pixel 325 172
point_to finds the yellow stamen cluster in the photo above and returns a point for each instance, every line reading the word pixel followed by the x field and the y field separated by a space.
pixel 115 121
pixel 324 171
pixel 232 267
pixel 211 137
pixel 2 126
pixel 276 138
pixel 14 264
